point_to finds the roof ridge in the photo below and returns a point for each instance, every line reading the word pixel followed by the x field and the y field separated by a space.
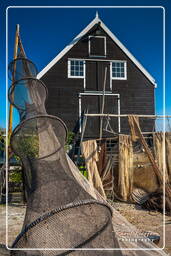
pixel 113 37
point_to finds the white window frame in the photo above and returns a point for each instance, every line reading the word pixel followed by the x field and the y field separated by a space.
pixel 89 46
pixel 69 68
pixel 125 70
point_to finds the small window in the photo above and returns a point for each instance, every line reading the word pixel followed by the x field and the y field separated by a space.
pixel 76 68
pixel 119 70
pixel 97 46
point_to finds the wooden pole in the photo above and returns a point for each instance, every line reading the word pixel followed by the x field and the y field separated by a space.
pixel 103 103
pixel 126 115
pixel 21 47
pixel 15 56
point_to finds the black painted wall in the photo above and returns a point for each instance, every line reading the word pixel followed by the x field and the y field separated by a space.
pixel 136 93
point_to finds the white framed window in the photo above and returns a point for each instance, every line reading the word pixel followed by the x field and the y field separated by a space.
pixel 76 68
pixel 119 70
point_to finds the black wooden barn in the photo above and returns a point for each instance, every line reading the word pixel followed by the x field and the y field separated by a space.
pixel 75 81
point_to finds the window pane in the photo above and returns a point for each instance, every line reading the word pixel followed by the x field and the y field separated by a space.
pixel 118 69
pixel 76 68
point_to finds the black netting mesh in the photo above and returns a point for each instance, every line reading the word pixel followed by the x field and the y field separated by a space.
pixel 21 68
pixel 38 137
pixel 28 96
pixel 60 212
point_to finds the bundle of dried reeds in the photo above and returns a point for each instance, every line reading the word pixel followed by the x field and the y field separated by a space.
pixel 168 154
pixel 161 156
pixel 90 153
pixel 158 168
pixel 125 176
pixel 105 167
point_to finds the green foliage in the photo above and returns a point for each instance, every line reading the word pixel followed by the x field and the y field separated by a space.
pixel 15 176
pixel 2 142
pixel 2 131
pixel 83 170
pixel 69 141
pixel 28 146
pixel 16 158
pixel 70 138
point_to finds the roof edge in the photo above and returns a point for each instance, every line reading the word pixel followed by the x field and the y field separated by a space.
pixel 68 47
pixel 128 53
pixel 114 38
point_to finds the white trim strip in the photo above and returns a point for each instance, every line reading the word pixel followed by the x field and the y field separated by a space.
pixel 101 93
pixel 68 47
pixel 119 112
pixel 79 100
pixel 128 53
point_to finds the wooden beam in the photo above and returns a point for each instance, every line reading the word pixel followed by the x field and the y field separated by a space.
pixel 126 115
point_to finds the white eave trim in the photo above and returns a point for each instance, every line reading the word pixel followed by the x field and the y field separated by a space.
pixel 125 50
pixel 114 38
pixel 68 47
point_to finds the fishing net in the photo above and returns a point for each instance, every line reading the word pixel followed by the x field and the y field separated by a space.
pixel 64 210
pixel 60 213
pixel 21 68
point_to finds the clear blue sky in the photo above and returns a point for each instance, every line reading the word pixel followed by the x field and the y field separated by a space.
pixel 45 32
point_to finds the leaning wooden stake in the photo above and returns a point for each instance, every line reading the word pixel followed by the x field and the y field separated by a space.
pixel 13 76
pixel 103 104
pixel 133 121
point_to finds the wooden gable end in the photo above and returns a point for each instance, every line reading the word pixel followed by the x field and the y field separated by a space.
pixel 136 92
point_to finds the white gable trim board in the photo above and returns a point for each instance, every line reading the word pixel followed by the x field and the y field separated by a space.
pixel 114 38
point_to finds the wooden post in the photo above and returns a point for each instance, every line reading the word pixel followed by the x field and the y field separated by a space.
pixel 15 56
pixel 103 103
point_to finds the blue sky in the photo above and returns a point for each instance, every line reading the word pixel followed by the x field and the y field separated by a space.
pixel 46 31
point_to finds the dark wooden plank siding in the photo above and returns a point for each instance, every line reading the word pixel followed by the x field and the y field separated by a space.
pixel 95 73
pixel 136 93
pixel 93 104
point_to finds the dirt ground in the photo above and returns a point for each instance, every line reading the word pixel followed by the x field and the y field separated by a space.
pixel 147 221
pixel 16 213
pixel 142 219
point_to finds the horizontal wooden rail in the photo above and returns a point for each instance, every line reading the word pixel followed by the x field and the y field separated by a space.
pixel 126 115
